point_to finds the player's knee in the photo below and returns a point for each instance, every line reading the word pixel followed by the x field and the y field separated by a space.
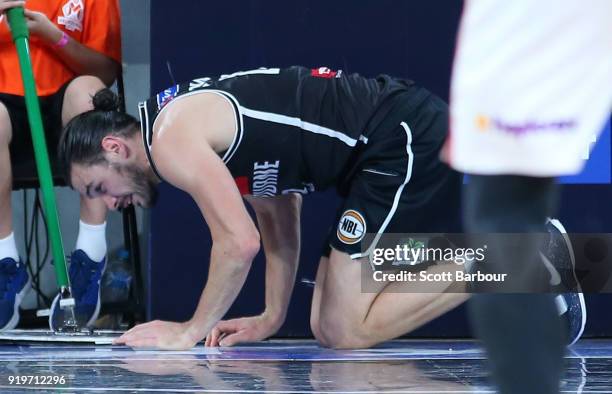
pixel 336 339
pixel 85 84
pixel 337 334
pixel 79 94
pixel 5 125
pixel 319 336
pixel 316 330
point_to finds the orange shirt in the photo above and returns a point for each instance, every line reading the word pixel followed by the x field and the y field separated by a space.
pixel 94 23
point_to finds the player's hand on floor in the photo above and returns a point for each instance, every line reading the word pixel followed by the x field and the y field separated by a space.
pixel 158 334
pixel 246 329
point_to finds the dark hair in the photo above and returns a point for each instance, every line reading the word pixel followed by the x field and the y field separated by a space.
pixel 81 140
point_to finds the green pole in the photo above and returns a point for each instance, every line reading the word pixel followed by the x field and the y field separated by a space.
pixel 20 34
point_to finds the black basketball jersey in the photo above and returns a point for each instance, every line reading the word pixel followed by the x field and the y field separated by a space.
pixel 299 129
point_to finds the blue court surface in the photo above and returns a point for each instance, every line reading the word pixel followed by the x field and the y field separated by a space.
pixel 412 366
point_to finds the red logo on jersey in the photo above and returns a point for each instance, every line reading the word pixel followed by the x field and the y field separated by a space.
pixel 243 185
pixel 324 72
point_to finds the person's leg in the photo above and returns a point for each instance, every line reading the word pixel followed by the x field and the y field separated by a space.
pixel 521 332
pixel 316 300
pixel 400 187
pixel 349 317
pixel 91 238
pixel 6 217
pixel 13 275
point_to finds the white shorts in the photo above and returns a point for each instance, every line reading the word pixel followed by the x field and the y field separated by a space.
pixel 532 86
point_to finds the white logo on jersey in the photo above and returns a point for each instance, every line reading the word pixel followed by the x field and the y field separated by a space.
pixel 265 179
pixel 199 83
pixel 73 15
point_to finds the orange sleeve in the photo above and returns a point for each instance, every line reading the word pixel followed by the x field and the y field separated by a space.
pixel 102 28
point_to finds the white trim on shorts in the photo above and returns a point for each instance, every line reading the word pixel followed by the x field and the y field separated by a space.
pixel 397 197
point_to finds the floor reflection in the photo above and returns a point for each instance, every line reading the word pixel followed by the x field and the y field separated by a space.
pixel 285 367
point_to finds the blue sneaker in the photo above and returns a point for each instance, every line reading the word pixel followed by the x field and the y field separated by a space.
pixel 558 257
pixel 14 284
pixel 85 275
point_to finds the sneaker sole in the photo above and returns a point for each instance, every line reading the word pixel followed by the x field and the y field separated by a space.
pixel 559 226
pixel 94 317
pixel 18 298
pixel 51 309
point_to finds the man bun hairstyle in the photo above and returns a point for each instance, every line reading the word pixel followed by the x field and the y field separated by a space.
pixel 105 100
pixel 81 139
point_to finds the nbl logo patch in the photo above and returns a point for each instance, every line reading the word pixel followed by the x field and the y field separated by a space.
pixel 351 228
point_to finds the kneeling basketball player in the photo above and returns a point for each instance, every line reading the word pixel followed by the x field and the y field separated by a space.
pixel 269 136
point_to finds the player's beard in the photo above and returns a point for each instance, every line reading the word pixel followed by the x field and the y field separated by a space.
pixel 142 188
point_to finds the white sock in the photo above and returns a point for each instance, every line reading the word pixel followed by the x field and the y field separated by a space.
pixel 8 248
pixel 561 304
pixel 92 240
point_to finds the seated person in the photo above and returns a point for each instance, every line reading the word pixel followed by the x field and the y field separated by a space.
pixel 75 47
